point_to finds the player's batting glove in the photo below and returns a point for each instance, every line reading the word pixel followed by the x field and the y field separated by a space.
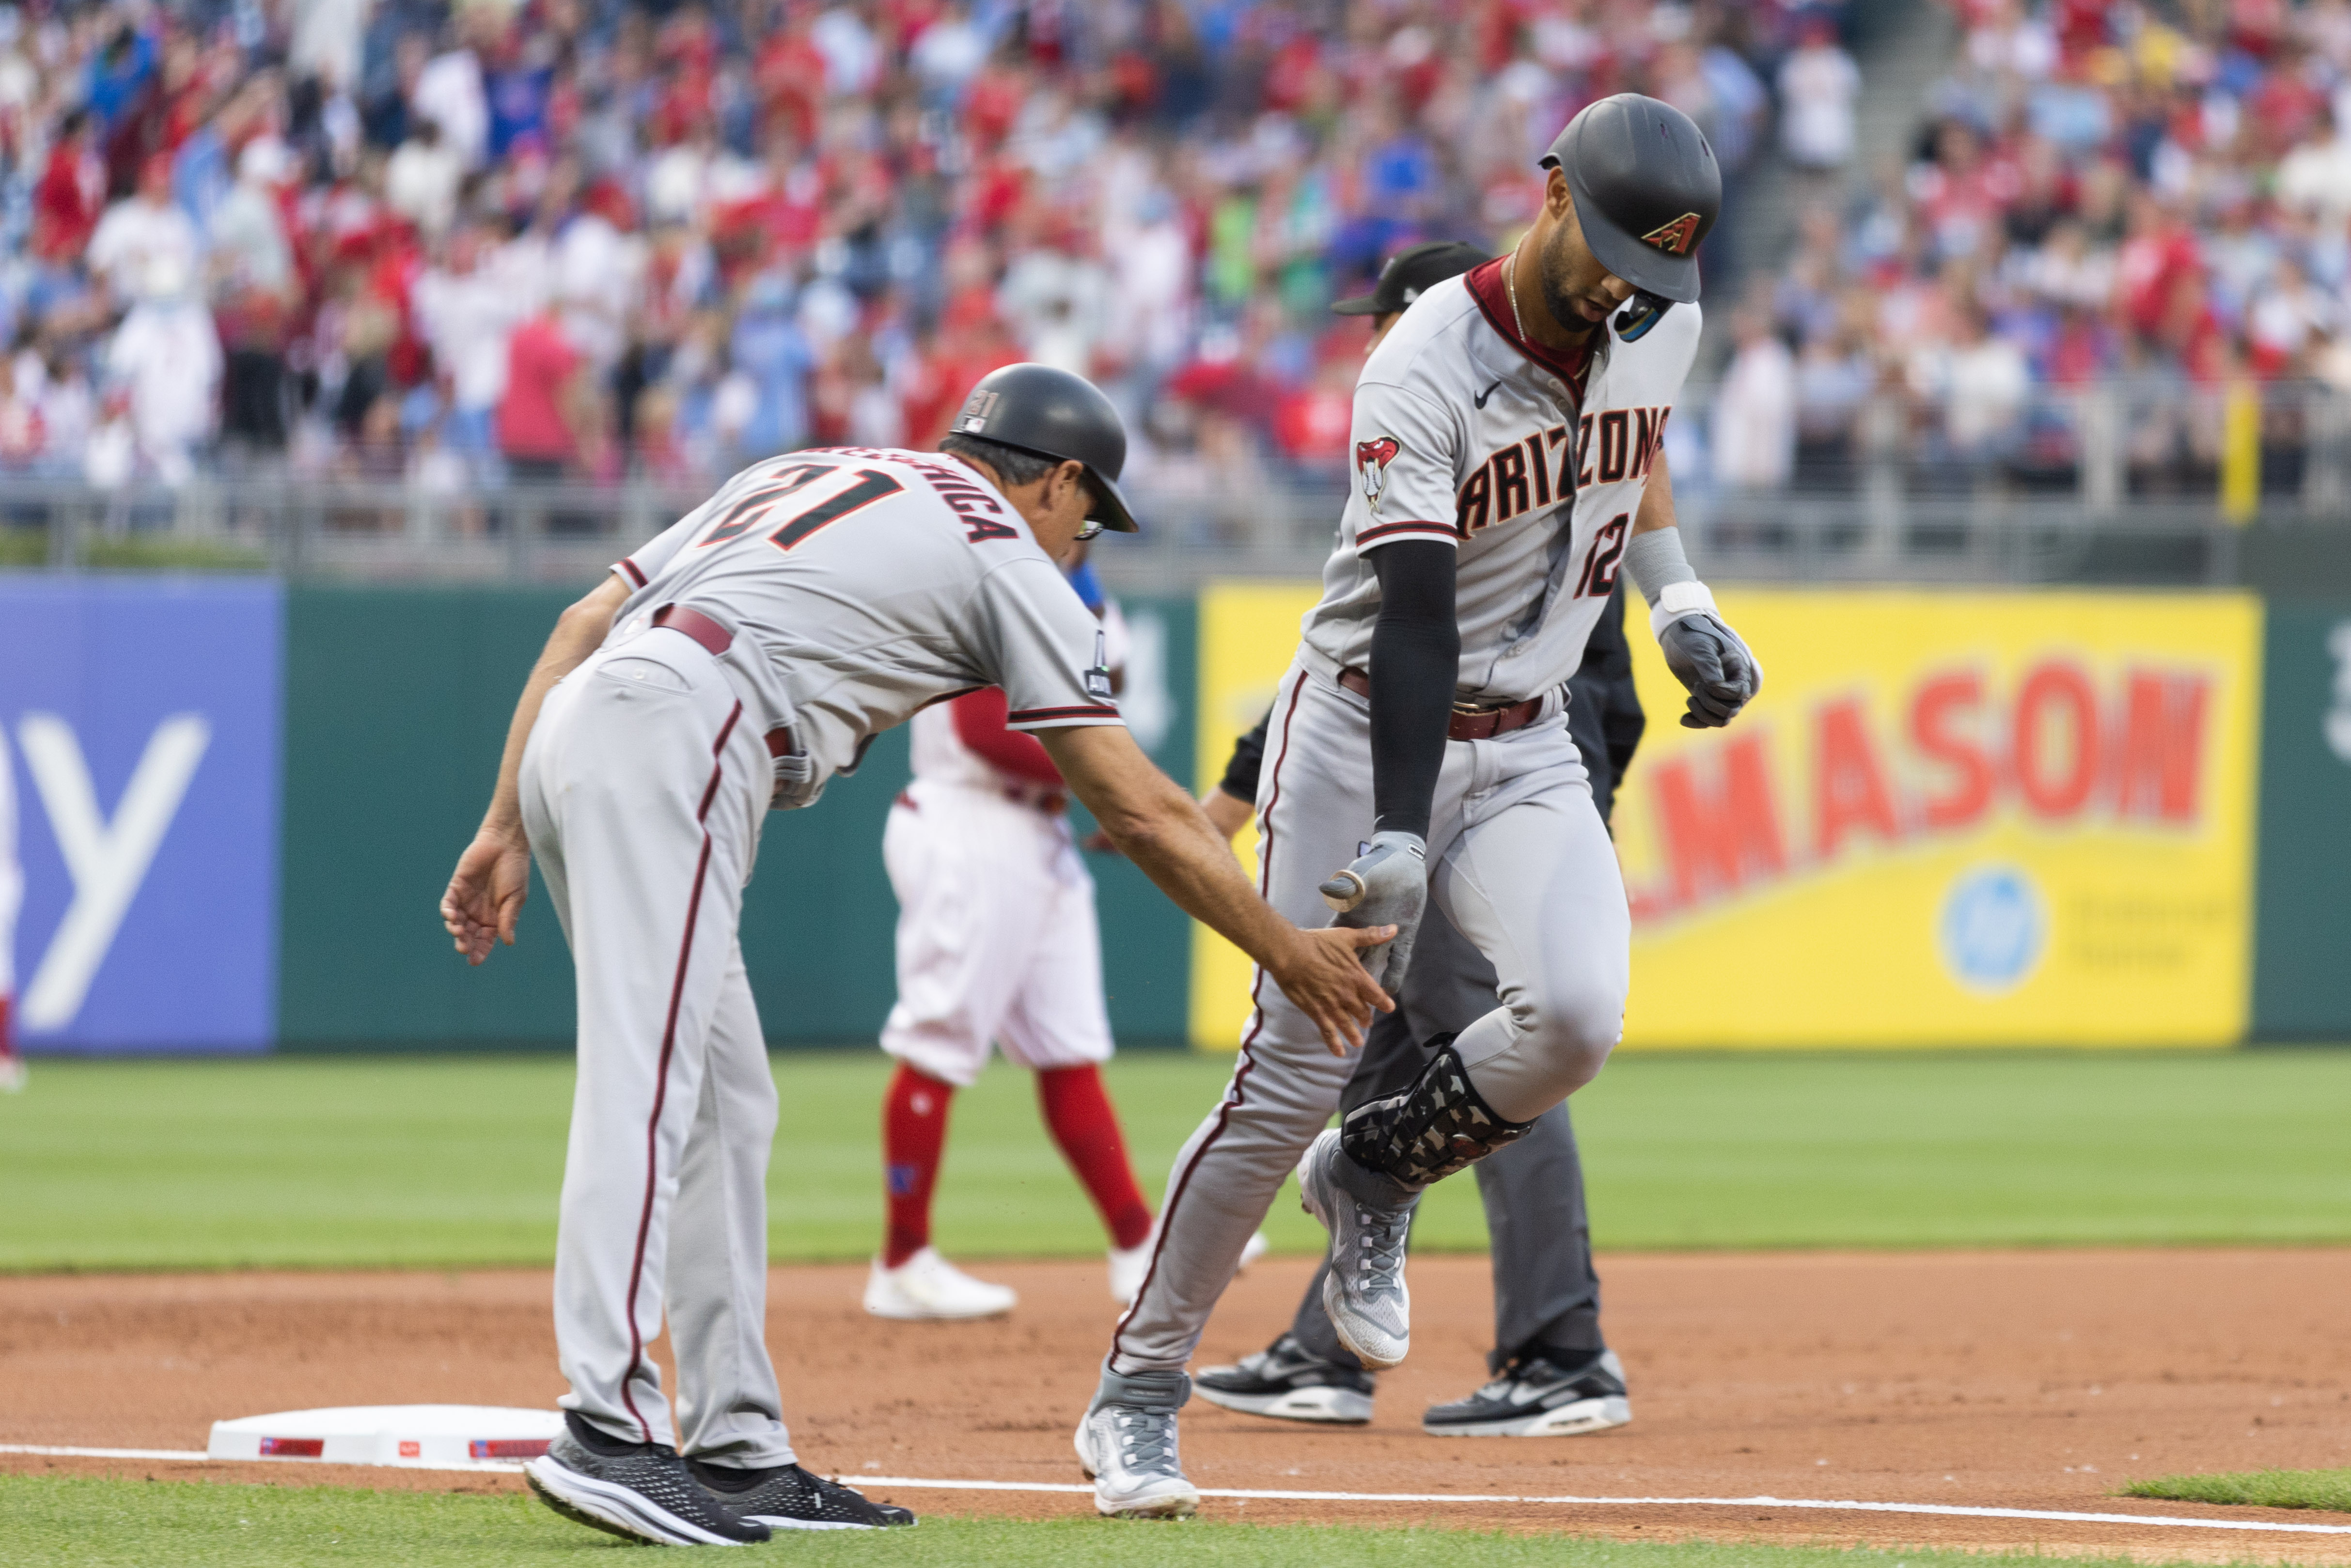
pixel 1386 885
pixel 1715 668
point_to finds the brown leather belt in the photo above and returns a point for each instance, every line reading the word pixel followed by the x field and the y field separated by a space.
pixel 1469 724
pixel 715 640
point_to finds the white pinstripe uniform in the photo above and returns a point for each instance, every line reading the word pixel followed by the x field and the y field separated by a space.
pixel 833 594
pixel 1465 436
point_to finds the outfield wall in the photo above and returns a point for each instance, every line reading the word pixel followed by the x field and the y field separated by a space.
pixel 1953 819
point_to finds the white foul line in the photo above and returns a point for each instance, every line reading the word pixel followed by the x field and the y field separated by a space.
pixel 2164 1521
pixel 1952 1510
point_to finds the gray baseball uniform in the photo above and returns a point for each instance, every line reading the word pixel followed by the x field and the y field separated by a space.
pixel 1463 432
pixel 829 595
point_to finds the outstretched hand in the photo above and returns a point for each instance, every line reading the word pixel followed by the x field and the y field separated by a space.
pixel 1322 974
pixel 486 894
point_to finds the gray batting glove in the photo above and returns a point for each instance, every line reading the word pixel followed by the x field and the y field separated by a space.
pixel 1713 665
pixel 1386 885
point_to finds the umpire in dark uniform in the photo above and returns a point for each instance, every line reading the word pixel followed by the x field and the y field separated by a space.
pixel 1552 1372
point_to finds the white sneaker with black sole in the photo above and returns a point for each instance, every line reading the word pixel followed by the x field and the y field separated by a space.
pixel 639 1491
pixel 1284 1381
pixel 1536 1396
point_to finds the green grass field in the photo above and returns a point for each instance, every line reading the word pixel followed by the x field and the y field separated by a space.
pixel 2329 1489
pixel 137 1524
pixel 337 1161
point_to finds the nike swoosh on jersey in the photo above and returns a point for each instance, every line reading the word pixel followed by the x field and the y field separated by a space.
pixel 1479 398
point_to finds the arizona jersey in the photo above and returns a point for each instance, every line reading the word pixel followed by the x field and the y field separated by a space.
pixel 1463 434
pixel 863 584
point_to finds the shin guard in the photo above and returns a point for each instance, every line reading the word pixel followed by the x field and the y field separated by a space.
pixel 1431 1130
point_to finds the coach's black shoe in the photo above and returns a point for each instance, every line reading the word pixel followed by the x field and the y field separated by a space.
pixel 789 1498
pixel 1282 1380
pixel 1536 1396
pixel 640 1492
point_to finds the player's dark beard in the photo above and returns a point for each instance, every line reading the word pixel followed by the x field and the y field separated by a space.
pixel 1558 265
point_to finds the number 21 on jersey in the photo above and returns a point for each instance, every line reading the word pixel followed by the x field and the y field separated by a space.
pixel 761 504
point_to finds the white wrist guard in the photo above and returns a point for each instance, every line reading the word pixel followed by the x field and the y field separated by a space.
pixel 1676 599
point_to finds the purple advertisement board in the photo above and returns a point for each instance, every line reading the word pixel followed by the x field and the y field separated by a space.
pixel 139 782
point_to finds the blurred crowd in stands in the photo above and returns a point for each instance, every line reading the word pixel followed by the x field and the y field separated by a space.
pixel 588 240
pixel 2146 200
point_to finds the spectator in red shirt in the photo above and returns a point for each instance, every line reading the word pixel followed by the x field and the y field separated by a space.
pixel 547 420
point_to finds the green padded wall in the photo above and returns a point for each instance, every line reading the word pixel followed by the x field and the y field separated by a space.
pixel 397 701
pixel 2301 948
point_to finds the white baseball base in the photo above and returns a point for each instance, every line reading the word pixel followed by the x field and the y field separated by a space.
pixel 433 1436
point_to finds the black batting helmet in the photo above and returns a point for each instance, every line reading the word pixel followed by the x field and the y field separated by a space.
pixel 1054 413
pixel 1646 190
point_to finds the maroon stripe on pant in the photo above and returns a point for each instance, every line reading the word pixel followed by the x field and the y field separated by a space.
pixel 1249 1064
pixel 660 1079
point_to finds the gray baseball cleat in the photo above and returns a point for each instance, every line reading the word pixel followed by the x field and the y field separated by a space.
pixel 639 1491
pixel 1538 1394
pixel 1126 1445
pixel 1369 1215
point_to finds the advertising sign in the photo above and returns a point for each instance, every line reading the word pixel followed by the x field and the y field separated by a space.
pixel 139 738
pixel 1952 819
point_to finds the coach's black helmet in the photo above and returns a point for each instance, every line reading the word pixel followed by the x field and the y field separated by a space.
pixel 1410 274
pixel 1646 190
pixel 1053 413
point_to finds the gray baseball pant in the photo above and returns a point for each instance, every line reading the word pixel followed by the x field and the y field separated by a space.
pixel 644 792
pixel 1520 864
pixel 1546 1291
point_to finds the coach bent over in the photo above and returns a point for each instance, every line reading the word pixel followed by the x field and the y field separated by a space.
pixel 737 662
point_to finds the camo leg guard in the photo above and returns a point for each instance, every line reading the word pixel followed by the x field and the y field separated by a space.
pixel 1435 1127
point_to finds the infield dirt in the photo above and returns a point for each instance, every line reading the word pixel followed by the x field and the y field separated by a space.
pixel 2034 1380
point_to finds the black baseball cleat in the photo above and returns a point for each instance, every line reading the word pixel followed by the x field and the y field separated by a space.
pixel 789 1498
pixel 1536 1396
pixel 1283 1381
pixel 640 1491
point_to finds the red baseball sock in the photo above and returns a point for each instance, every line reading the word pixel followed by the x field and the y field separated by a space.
pixel 1084 1122
pixel 914 1133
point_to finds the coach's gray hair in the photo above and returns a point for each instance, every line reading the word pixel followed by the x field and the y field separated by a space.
pixel 1012 464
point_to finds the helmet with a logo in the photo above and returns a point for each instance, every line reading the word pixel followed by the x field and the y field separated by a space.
pixel 1646 190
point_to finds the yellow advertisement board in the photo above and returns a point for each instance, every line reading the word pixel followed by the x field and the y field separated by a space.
pixel 1248 632
pixel 1952 819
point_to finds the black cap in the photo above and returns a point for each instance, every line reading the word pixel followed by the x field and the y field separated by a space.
pixel 1646 190
pixel 1053 413
pixel 1410 274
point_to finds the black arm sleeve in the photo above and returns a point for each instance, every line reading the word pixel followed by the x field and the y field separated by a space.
pixel 1416 658
pixel 1248 761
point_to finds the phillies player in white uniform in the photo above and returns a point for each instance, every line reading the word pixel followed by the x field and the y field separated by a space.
pixel 1510 461
pixel 735 665
pixel 997 944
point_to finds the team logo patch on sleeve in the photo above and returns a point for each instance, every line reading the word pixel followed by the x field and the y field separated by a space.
pixel 1674 238
pixel 1371 460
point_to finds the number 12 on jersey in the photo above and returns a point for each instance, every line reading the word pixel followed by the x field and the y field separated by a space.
pixel 1598 579
pixel 760 504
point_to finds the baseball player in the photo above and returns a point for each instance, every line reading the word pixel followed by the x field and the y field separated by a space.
pixel 1509 463
pixel 733 665
pixel 1553 1375
pixel 996 943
